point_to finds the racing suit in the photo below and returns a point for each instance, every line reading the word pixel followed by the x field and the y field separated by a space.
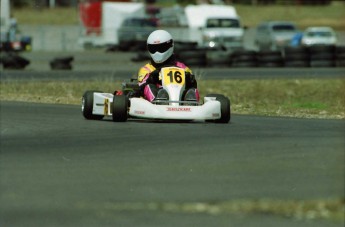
pixel 150 84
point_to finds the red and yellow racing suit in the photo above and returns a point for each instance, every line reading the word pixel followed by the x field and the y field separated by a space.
pixel 144 74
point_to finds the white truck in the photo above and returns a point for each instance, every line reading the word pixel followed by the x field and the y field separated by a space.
pixel 211 26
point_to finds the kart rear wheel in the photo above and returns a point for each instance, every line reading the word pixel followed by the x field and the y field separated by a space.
pixel 87 106
pixel 225 108
pixel 120 108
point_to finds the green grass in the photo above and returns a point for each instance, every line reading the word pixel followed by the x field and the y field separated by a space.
pixel 316 98
pixel 331 15
pixel 300 98
pixel 46 16
pixel 322 209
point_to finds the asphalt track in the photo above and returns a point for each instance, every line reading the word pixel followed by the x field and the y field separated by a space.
pixel 58 169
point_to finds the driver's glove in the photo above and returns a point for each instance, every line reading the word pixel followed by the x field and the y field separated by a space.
pixel 153 77
pixel 190 81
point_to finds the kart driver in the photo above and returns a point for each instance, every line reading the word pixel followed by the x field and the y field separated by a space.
pixel 161 49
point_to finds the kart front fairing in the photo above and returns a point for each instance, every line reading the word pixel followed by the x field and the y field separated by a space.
pixel 142 108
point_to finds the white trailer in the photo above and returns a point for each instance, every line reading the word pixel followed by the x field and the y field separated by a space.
pixel 101 20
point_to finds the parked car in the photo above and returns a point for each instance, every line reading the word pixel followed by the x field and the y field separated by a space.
pixel 134 31
pixel 20 45
pixel 274 35
pixel 319 36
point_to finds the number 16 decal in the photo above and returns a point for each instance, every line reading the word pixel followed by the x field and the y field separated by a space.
pixel 174 75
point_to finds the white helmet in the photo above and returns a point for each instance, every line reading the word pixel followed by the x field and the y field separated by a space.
pixel 160 45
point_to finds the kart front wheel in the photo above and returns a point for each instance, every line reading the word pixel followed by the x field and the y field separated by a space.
pixel 87 106
pixel 120 108
pixel 225 108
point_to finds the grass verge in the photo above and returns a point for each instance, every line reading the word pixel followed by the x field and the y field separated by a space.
pixel 327 209
pixel 306 98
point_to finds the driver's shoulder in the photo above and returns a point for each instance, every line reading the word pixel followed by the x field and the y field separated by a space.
pixel 146 68
pixel 183 66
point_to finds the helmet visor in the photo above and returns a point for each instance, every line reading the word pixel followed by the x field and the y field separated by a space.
pixel 161 48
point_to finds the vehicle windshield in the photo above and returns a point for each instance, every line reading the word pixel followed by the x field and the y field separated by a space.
pixel 283 28
pixel 222 23
pixel 319 34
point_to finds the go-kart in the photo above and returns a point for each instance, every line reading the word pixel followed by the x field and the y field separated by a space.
pixel 215 107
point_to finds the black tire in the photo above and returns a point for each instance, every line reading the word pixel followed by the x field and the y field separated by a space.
pixel 120 108
pixel 321 56
pixel 196 62
pixel 244 59
pixel 296 57
pixel 222 63
pixel 244 56
pixel 321 49
pixel 192 54
pixel 300 50
pixel 322 63
pixel 225 108
pixel 66 59
pixel 60 66
pixel 295 64
pixel 340 55
pixel 245 64
pixel 340 49
pixel 272 64
pixel 264 53
pixel 218 59
pixel 14 61
pixel 270 59
pixel 267 59
pixel 340 63
pixel 193 57
pixel 61 63
pixel 87 106
pixel 125 46
pixel 139 46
